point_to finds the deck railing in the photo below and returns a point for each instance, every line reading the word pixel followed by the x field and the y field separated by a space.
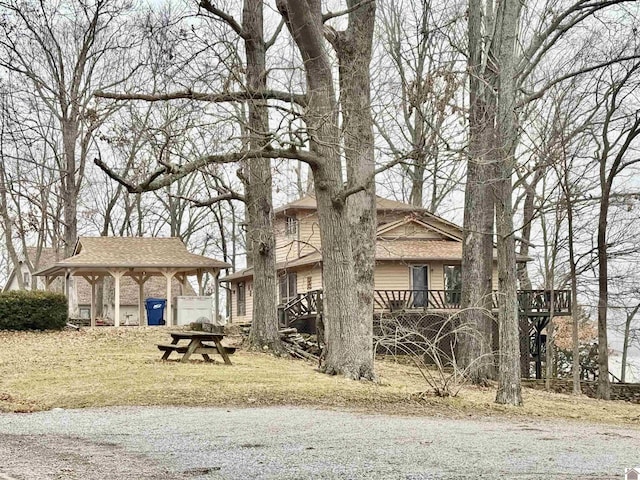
pixel 302 305
pixel 531 302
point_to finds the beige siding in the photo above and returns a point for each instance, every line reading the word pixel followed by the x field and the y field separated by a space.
pixel 309 279
pixel 306 240
pixel 391 276
pixel 436 280
pixel 235 318
pixel 309 233
pixel 397 275
pixel 286 245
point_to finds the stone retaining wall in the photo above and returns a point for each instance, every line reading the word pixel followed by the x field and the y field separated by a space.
pixel 629 392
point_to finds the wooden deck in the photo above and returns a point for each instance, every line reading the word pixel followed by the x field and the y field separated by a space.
pixel 532 303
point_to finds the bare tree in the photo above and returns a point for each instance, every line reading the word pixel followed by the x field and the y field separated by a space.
pixel 419 85
pixel 617 142
pixel 348 337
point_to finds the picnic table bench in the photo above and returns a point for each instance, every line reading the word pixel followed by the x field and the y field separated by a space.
pixel 202 343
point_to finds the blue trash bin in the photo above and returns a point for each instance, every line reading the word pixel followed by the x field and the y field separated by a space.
pixel 155 310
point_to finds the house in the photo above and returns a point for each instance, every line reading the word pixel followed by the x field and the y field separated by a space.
pixel 418 269
pixel 418 259
pixel 155 287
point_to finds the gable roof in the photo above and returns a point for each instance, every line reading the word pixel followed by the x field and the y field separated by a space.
pixel 429 225
pixel 132 252
pixel 308 202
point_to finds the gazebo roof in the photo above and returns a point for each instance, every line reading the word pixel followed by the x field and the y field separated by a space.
pixel 136 254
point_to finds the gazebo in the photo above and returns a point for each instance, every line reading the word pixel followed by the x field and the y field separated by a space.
pixel 139 258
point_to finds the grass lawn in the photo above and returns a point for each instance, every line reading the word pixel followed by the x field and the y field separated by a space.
pixel 121 366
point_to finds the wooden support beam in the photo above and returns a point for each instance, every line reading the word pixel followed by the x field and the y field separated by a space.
pixel 169 274
pixel 216 297
pixel 93 281
pixel 141 279
pixel 117 275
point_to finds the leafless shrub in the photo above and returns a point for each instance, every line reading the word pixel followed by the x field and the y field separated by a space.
pixel 430 342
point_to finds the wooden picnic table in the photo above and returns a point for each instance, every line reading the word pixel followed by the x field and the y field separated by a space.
pixel 202 343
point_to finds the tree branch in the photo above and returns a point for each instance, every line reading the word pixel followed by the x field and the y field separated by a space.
pixel 223 16
pixel 166 175
pixel 344 194
pixel 213 200
pixel 299 99
pixel 537 95
pixel 329 15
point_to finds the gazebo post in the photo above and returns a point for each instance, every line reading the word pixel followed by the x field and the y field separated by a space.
pixel 93 281
pixel 169 274
pixel 93 302
pixel 216 298
pixel 141 280
pixel 68 285
pixel 117 275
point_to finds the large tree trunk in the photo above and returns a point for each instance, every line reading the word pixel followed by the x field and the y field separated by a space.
pixel 264 327
pixel 353 47
pixel 70 205
pixel 528 213
pixel 604 386
pixel 348 351
pixel 509 388
pixel 477 249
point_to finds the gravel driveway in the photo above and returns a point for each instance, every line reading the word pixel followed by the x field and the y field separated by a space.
pixel 297 443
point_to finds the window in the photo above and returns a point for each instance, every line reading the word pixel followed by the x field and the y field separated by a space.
pixel 25 278
pixel 291 226
pixel 85 313
pixel 288 286
pixel 242 299
pixel 452 283
pixel 420 285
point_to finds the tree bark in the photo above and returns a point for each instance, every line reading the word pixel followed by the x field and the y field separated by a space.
pixel 477 249
pixel 509 388
pixel 604 385
pixel 353 47
pixel 259 203
pixel 348 352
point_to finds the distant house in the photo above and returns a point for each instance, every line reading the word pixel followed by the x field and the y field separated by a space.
pixel 47 256
pixel 155 287
pixel 632 474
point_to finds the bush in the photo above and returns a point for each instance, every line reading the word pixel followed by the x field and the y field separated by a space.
pixel 32 310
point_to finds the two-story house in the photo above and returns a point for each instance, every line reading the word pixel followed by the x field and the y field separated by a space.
pixel 418 258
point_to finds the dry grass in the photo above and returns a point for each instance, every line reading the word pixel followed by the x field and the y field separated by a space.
pixel 121 366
